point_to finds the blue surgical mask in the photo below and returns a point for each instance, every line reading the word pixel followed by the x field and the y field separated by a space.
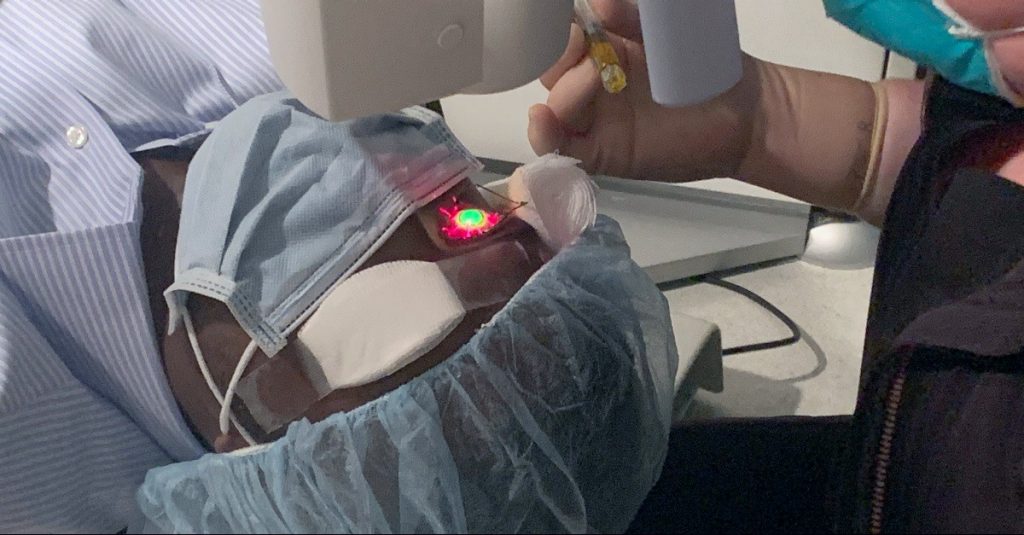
pixel 281 206
pixel 932 34
pixel 554 417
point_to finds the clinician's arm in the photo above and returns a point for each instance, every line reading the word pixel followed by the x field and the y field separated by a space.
pixel 801 133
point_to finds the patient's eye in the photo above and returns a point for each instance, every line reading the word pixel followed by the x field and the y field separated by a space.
pixel 461 221
pixel 470 215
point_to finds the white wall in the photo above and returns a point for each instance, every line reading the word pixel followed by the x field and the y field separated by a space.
pixel 791 32
pixel 494 126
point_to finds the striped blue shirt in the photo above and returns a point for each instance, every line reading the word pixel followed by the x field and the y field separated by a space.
pixel 85 408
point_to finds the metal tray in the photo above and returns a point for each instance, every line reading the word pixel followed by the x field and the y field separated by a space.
pixel 676 232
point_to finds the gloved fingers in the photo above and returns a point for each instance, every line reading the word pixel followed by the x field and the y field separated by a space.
pixel 547 134
pixel 545 130
pixel 620 17
pixel 574 53
pixel 572 98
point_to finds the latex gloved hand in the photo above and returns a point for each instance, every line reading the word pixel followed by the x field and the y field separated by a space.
pixel 806 134
pixel 628 134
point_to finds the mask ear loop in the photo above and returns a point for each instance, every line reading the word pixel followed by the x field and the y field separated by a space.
pixel 225 407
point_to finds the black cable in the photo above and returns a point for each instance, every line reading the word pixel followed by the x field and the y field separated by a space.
pixel 793 327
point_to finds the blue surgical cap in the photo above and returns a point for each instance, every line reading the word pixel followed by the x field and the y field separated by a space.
pixel 554 417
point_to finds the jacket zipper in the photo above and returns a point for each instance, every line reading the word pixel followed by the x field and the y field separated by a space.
pixel 884 451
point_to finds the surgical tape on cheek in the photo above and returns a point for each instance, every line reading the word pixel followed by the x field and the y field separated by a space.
pixel 381 320
pixel 372 326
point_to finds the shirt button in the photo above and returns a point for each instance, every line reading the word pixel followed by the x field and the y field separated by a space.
pixel 450 37
pixel 77 136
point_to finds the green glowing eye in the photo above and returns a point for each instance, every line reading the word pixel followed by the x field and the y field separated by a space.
pixel 471 218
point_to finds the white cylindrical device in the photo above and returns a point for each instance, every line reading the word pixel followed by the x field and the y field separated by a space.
pixel 522 38
pixel 693 49
pixel 350 58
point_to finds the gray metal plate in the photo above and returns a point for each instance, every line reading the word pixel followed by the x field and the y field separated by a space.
pixel 676 232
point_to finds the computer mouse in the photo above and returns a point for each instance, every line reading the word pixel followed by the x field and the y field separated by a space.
pixel 842 245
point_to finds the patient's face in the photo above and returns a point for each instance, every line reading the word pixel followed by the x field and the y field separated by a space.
pixel 223 341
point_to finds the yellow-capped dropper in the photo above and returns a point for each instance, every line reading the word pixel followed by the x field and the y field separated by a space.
pixel 600 48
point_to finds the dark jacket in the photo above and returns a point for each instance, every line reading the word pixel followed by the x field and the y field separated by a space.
pixel 937 441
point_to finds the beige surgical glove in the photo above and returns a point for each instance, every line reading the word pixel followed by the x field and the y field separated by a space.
pixel 805 134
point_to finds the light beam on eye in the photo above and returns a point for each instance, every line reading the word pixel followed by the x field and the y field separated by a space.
pixel 467 223
pixel 471 218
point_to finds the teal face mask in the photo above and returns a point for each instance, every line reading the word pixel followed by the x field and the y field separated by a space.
pixel 933 34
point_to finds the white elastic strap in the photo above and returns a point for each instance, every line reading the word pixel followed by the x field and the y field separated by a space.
pixel 970 32
pixel 194 340
pixel 225 408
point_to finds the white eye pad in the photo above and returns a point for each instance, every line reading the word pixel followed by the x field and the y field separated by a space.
pixel 382 319
pixel 559 196
pixel 377 322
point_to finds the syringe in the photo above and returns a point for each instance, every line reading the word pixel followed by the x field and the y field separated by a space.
pixel 600 48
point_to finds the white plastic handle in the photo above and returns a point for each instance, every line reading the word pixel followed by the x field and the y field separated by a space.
pixel 693 49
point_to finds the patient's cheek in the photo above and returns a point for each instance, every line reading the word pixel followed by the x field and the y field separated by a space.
pixel 1014 170
pixel 990 14
pixel 1009 53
